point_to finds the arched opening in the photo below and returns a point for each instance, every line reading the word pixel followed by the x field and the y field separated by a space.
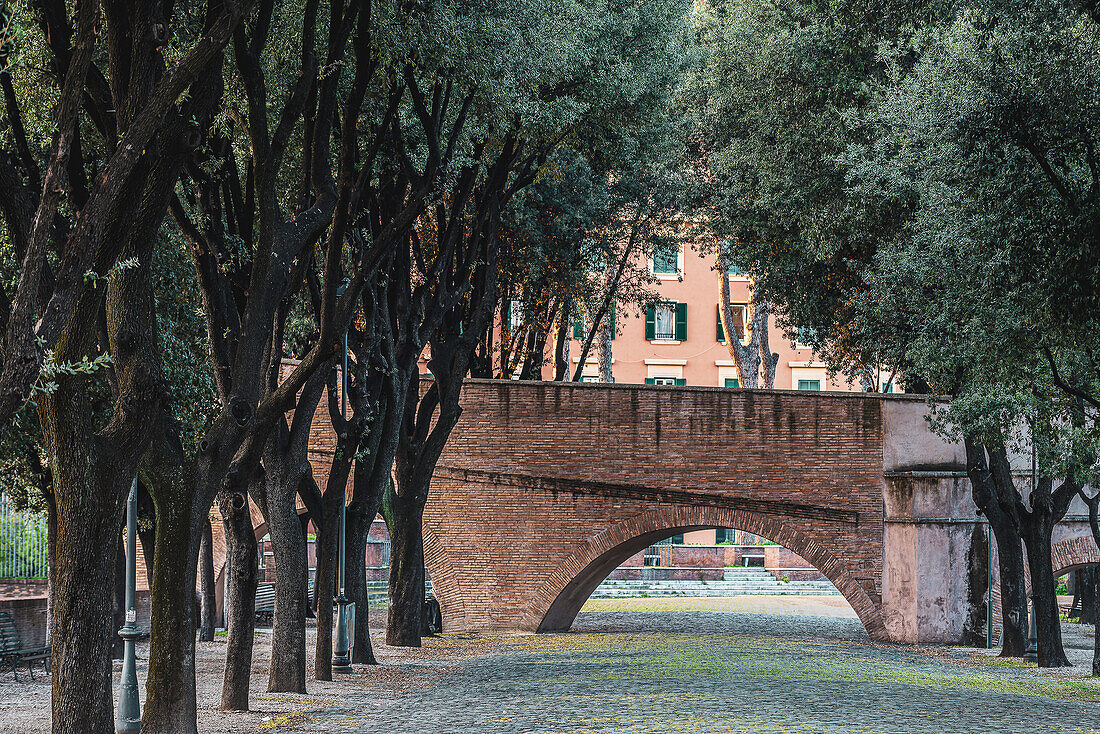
pixel 606 552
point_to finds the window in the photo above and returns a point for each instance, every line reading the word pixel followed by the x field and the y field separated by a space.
pixel 732 382
pixel 724 535
pixel 809 384
pixel 888 387
pixel 580 324
pixel 805 335
pixel 665 381
pixel 512 315
pixel 739 313
pixel 666 259
pixel 666 322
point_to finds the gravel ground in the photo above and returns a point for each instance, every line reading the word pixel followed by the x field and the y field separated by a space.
pixel 705 671
pixel 693 665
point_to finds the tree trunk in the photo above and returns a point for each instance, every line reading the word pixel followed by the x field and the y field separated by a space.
pixel 83 628
pixel 118 648
pixel 561 342
pixel 1096 647
pixel 1037 537
pixel 404 519
pixel 242 575
pixel 1010 565
pixel 1010 556
pixel 1087 593
pixel 605 355
pixel 328 548
pixel 288 639
pixel 170 689
pixel 206 583
pixel 355 581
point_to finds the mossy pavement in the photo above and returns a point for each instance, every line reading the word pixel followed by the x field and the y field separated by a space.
pixel 707 671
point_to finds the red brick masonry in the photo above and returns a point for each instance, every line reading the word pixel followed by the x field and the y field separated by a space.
pixel 546 487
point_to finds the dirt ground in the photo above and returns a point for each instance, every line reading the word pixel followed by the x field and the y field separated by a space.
pixel 25 704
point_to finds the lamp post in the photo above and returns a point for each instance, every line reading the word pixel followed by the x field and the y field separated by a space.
pixel 340 661
pixel 128 718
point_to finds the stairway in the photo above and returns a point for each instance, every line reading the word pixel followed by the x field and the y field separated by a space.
pixel 737 582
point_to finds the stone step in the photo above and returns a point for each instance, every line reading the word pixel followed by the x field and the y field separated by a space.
pixel 758 585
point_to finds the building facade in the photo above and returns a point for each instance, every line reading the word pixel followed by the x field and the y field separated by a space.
pixel 679 339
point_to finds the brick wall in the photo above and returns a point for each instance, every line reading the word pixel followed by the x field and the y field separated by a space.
pixel 783 562
pixel 545 488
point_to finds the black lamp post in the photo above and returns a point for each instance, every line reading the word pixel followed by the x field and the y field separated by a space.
pixel 341 663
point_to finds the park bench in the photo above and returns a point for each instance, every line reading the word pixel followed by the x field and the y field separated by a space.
pixel 13 652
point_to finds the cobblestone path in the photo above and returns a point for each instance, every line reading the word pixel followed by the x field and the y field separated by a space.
pixel 722 672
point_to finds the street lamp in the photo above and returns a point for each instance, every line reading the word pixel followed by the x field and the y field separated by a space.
pixel 128 718
pixel 340 660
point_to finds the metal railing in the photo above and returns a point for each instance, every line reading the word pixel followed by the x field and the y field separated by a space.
pixel 24 553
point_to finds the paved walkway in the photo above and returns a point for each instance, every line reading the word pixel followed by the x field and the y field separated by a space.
pixel 660 671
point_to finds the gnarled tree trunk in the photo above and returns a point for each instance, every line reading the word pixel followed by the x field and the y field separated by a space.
pixel 242 576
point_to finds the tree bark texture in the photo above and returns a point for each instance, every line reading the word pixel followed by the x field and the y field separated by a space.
pixel 1010 556
pixel 206 584
pixel 288 545
pixel 83 628
pixel 328 547
pixel 172 624
pixel 1086 593
pixel 355 582
pixel 404 518
pixel 1037 539
pixel 242 576
pixel 119 603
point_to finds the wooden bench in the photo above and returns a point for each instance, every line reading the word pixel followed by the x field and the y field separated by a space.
pixel 13 652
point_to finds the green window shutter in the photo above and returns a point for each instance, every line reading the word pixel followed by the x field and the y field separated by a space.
pixel 506 315
pixel 650 322
pixel 733 382
pixel 679 381
pixel 578 327
pixel 720 333
pixel 650 381
pixel 611 320
pixel 681 322
pixel 809 384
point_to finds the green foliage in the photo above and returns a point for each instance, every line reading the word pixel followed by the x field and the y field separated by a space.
pixel 918 184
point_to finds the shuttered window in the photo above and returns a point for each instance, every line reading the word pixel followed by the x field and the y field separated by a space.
pixel 665 260
pixel 738 313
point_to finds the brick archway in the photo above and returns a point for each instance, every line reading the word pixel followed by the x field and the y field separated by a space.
pixel 1073 553
pixel 559 600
